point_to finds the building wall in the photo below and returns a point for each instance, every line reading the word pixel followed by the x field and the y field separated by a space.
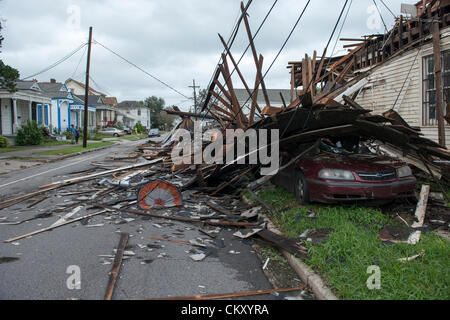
pixel 385 87
pixel 6 106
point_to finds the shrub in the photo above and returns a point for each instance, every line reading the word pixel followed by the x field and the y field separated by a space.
pixel 29 135
pixel 45 132
pixel 4 143
pixel 139 127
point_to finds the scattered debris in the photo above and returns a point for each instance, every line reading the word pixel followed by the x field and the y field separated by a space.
pixel 420 215
pixel 116 266
pixel 232 295
pixel 409 259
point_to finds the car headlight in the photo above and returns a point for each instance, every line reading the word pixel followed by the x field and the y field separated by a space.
pixel 334 174
pixel 404 172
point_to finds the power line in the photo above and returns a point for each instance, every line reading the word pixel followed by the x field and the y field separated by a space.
pixel 388 8
pixel 139 68
pixel 245 51
pixel 315 73
pixel 79 62
pixel 231 39
pixel 57 62
pixel 278 54
pixel 381 16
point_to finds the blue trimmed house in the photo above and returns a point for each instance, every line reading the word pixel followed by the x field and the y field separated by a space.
pixel 67 109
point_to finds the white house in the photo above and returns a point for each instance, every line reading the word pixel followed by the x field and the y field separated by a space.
pixel 132 112
pixel 27 103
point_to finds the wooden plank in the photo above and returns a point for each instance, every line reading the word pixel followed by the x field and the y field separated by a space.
pixel 255 57
pixel 223 101
pixel 231 295
pixel 256 91
pixel 116 265
pixel 421 209
pixel 239 115
pixel 54 227
pixel 222 88
pixel 178 218
pixel 236 67
pixel 100 174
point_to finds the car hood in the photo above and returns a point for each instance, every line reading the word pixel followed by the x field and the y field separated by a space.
pixel 357 162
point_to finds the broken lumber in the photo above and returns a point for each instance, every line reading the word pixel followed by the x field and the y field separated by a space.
pixel 178 218
pixel 116 265
pixel 96 175
pixel 289 245
pixel 176 241
pixel 420 215
pixel 55 226
pixel 232 295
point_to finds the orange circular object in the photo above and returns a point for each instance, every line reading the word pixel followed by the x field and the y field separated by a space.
pixel 159 194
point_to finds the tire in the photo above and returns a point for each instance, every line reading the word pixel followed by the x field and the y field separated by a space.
pixel 301 188
pixel 116 135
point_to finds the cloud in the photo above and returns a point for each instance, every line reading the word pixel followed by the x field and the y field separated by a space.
pixel 174 40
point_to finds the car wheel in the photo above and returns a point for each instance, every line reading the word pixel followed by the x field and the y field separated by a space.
pixel 301 188
pixel 116 135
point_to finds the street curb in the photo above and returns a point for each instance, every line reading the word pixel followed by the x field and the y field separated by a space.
pixel 307 275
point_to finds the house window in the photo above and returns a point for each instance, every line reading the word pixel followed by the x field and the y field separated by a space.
pixel 139 112
pixel 429 112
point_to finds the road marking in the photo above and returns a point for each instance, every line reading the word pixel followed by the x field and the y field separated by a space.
pixel 54 169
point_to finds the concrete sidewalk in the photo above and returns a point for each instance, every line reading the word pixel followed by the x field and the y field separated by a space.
pixel 32 153
pixel 29 156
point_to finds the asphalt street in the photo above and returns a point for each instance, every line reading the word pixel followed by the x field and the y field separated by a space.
pixel 36 267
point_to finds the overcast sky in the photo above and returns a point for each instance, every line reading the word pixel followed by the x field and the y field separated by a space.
pixel 174 40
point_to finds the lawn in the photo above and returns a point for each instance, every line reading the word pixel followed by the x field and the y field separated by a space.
pixel 75 149
pixel 342 260
pixel 134 137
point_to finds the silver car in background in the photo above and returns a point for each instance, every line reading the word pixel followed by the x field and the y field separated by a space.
pixel 112 132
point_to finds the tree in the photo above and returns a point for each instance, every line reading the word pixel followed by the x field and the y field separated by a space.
pixel 1 37
pixel 201 98
pixel 8 75
pixel 156 105
pixel 167 120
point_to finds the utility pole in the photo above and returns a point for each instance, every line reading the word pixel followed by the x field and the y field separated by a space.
pixel 86 92
pixel 195 94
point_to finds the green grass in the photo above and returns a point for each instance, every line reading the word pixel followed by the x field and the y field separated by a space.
pixel 76 149
pixel 10 149
pixel 134 137
pixel 354 247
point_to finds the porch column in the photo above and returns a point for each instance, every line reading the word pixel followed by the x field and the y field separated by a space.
pixel 30 106
pixel 15 121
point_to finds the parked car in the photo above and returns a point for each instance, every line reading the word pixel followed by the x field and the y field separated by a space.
pixel 154 133
pixel 339 177
pixel 112 132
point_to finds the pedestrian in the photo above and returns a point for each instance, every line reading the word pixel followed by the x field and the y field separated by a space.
pixel 77 134
pixel 72 131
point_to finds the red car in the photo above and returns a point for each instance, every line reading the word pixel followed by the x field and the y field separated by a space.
pixel 331 178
